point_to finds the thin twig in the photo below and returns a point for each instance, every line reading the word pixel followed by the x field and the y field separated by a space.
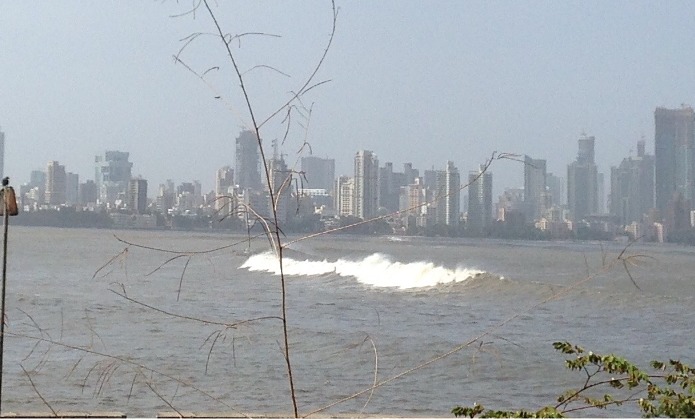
pixel 33 385
pixel 183 273
pixel 190 318
pixel 132 363
pixel 154 391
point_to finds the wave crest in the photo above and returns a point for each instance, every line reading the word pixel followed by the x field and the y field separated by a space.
pixel 376 270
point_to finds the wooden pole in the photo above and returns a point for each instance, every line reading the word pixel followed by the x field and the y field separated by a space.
pixel 6 219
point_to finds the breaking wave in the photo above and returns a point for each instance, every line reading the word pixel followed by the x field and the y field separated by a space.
pixel 375 270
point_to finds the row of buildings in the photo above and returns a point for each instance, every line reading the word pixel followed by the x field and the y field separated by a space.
pixel 650 195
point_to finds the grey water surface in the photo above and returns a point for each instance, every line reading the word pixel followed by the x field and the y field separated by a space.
pixel 98 351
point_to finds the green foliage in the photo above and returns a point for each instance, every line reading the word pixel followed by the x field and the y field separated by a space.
pixel 667 392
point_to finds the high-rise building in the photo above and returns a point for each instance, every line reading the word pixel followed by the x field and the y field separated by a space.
pixel 448 196
pixel 318 173
pixel 72 186
pixel 410 173
pixel 112 175
pixel 224 179
pixel 632 187
pixel 674 154
pixel 582 181
pixel 33 194
pixel 137 195
pixel 557 189
pixel 479 201
pixel 246 170
pixel 56 183
pixel 281 185
pixel 224 183
pixel 414 201
pixel 390 184
pixel 534 188
pixel 345 196
pixel 366 190
pixel 600 194
pixel 88 192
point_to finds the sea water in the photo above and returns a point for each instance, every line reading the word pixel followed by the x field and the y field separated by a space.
pixel 163 321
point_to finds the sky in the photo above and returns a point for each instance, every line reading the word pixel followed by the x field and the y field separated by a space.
pixel 414 81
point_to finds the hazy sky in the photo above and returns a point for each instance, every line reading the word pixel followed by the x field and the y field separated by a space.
pixel 414 81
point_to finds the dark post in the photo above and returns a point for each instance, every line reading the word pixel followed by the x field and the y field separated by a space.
pixel 8 207
pixel 6 219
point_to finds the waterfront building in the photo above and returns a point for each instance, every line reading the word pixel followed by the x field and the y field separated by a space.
pixel 344 196
pixel 87 193
pixel 511 206
pixel 281 186
pixel 582 181
pixel 246 169
pixel 479 201
pixel 410 173
pixel 72 187
pixel 390 184
pixel 448 196
pixel 318 173
pixel 112 174
pixel 137 195
pixel 632 187
pixel 366 189
pixel 37 186
pixel 56 183
pixel 674 154
pixel 414 199
pixel 224 187
pixel 556 189
pixel 534 188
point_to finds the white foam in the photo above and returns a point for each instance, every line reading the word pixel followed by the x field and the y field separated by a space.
pixel 375 270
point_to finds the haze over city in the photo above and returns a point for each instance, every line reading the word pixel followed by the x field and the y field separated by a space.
pixel 457 79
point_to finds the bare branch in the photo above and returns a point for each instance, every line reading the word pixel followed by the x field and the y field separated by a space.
pixel 132 363
pixel 33 385
pixel 190 318
pixel 183 273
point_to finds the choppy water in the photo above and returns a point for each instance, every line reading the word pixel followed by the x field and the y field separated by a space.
pixel 411 299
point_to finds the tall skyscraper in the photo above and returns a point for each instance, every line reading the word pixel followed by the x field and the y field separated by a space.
pixel 534 188
pixel 390 184
pixel 415 198
pixel 452 202
pixel 344 201
pixel 137 195
pixel 674 154
pixel 281 185
pixel 56 183
pixel 246 170
pixel 448 196
pixel 632 187
pixel 479 201
pixel 410 173
pixel 224 179
pixel 318 173
pixel 88 192
pixel 72 186
pixel 366 202
pixel 224 182
pixel 582 181
pixel 112 175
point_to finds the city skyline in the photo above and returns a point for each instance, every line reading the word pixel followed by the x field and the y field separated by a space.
pixel 462 79
pixel 117 162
